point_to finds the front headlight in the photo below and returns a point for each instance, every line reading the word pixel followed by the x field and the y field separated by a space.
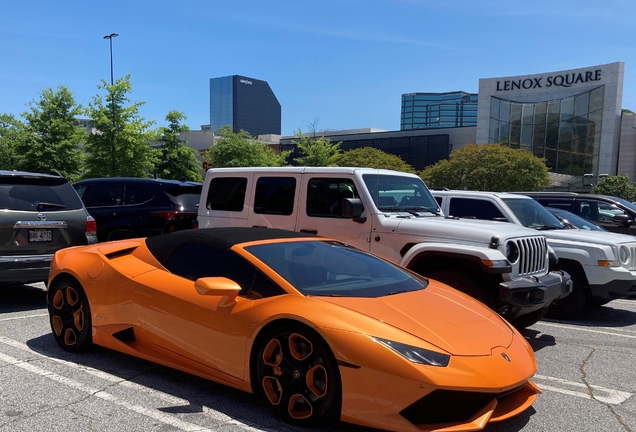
pixel 415 354
pixel 512 252
pixel 624 255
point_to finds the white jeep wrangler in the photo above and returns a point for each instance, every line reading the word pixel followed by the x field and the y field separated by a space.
pixel 602 264
pixel 393 215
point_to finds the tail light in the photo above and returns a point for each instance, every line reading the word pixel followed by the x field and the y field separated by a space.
pixel 91 226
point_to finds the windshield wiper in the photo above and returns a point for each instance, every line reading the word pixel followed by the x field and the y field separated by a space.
pixel 544 227
pixel 40 205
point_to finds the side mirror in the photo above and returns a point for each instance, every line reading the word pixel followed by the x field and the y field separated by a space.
pixel 623 219
pixel 352 208
pixel 220 287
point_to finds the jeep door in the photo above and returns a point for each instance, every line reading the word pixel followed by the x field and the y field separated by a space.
pixel 275 200
pixel 320 211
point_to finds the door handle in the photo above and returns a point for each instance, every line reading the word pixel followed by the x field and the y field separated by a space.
pixel 309 231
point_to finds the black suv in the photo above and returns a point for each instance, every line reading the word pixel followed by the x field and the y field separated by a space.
pixel 39 214
pixel 126 207
pixel 613 214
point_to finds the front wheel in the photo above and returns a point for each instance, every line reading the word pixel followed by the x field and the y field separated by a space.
pixel 464 283
pixel 70 315
pixel 298 376
pixel 574 302
pixel 528 319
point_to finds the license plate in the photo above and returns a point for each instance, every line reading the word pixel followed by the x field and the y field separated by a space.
pixel 41 235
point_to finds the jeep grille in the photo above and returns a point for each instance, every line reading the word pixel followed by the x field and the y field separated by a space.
pixel 532 255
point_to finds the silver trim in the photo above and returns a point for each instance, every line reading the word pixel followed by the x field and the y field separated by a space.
pixel 532 253
pixel 40 224
pixel 26 258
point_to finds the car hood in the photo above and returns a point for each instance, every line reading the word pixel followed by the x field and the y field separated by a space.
pixel 586 236
pixel 454 230
pixel 439 315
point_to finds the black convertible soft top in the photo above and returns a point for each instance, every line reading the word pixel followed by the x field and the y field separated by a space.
pixel 163 246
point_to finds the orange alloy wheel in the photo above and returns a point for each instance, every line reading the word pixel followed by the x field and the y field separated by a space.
pixel 70 315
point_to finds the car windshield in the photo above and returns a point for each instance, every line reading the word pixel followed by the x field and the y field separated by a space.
pixel 626 203
pixel 328 268
pixel 577 222
pixel 532 214
pixel 38 194
pixel 394 193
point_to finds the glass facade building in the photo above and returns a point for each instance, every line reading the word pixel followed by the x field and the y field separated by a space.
pixel 438 110
pixel 566 132
pixel 244 104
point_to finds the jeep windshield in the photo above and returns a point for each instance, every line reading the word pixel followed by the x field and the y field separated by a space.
pixel 533 215
pixel 400 193
pixel 333 269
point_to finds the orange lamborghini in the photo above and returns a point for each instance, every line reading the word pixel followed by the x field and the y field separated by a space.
pixel 318 329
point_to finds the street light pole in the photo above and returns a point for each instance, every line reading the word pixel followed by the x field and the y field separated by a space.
pixel 110 39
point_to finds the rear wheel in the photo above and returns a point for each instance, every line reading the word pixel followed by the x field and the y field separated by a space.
pixel 70 315
pixel 121 235
pixel 298 376
pixel 464 283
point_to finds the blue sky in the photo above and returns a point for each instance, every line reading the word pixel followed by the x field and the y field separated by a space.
pixel 336 64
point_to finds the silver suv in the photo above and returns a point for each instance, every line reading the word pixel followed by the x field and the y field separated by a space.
pixel 39 214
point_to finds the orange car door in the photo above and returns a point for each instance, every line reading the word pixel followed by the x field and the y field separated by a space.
pixel 180 319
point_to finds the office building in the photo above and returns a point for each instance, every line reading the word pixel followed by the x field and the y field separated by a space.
pixel 244 104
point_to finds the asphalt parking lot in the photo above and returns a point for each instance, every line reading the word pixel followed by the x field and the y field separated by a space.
pixel 586 369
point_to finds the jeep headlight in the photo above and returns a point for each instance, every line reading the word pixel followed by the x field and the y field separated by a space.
pixel 624 255
pixel 512 252
pixel 415 354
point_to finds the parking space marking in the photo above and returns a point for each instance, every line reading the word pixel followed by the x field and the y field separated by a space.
pixel 100 393
pixel 113 379
pixel 573 327
pixel 612 397
pixel 24 317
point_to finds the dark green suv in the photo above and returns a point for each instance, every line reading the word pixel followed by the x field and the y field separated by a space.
pixel 39 214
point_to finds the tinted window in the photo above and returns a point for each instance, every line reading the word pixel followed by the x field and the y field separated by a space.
pixel 98 195
pixel 325 195
pixel 193 261
pixel 332 269
pixel 136 195
pixel 475 209
pixel 275 195
pixel 226 193
pixel 36 194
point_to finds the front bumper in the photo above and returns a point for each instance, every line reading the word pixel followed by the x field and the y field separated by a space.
pixel 532 293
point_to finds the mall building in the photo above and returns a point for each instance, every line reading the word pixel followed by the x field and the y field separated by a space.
pixel 572 118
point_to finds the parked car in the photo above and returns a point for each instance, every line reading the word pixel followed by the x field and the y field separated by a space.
pixel 126 207
pixel 611 213
pixel 393 215
pixel 318 329
pixel 39 214
pixel 570 220
pixel 602 264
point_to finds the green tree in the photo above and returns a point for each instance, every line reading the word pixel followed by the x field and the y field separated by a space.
pixel 369 157
pixel 55 138
pixel 177 160
pixel 316 151
pixel 242 150
pixel 12 134
pixel 619 186
pixel 120 147
pixel 489 167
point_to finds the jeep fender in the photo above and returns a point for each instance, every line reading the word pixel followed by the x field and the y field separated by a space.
pixel 488 260
pixel 588 256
